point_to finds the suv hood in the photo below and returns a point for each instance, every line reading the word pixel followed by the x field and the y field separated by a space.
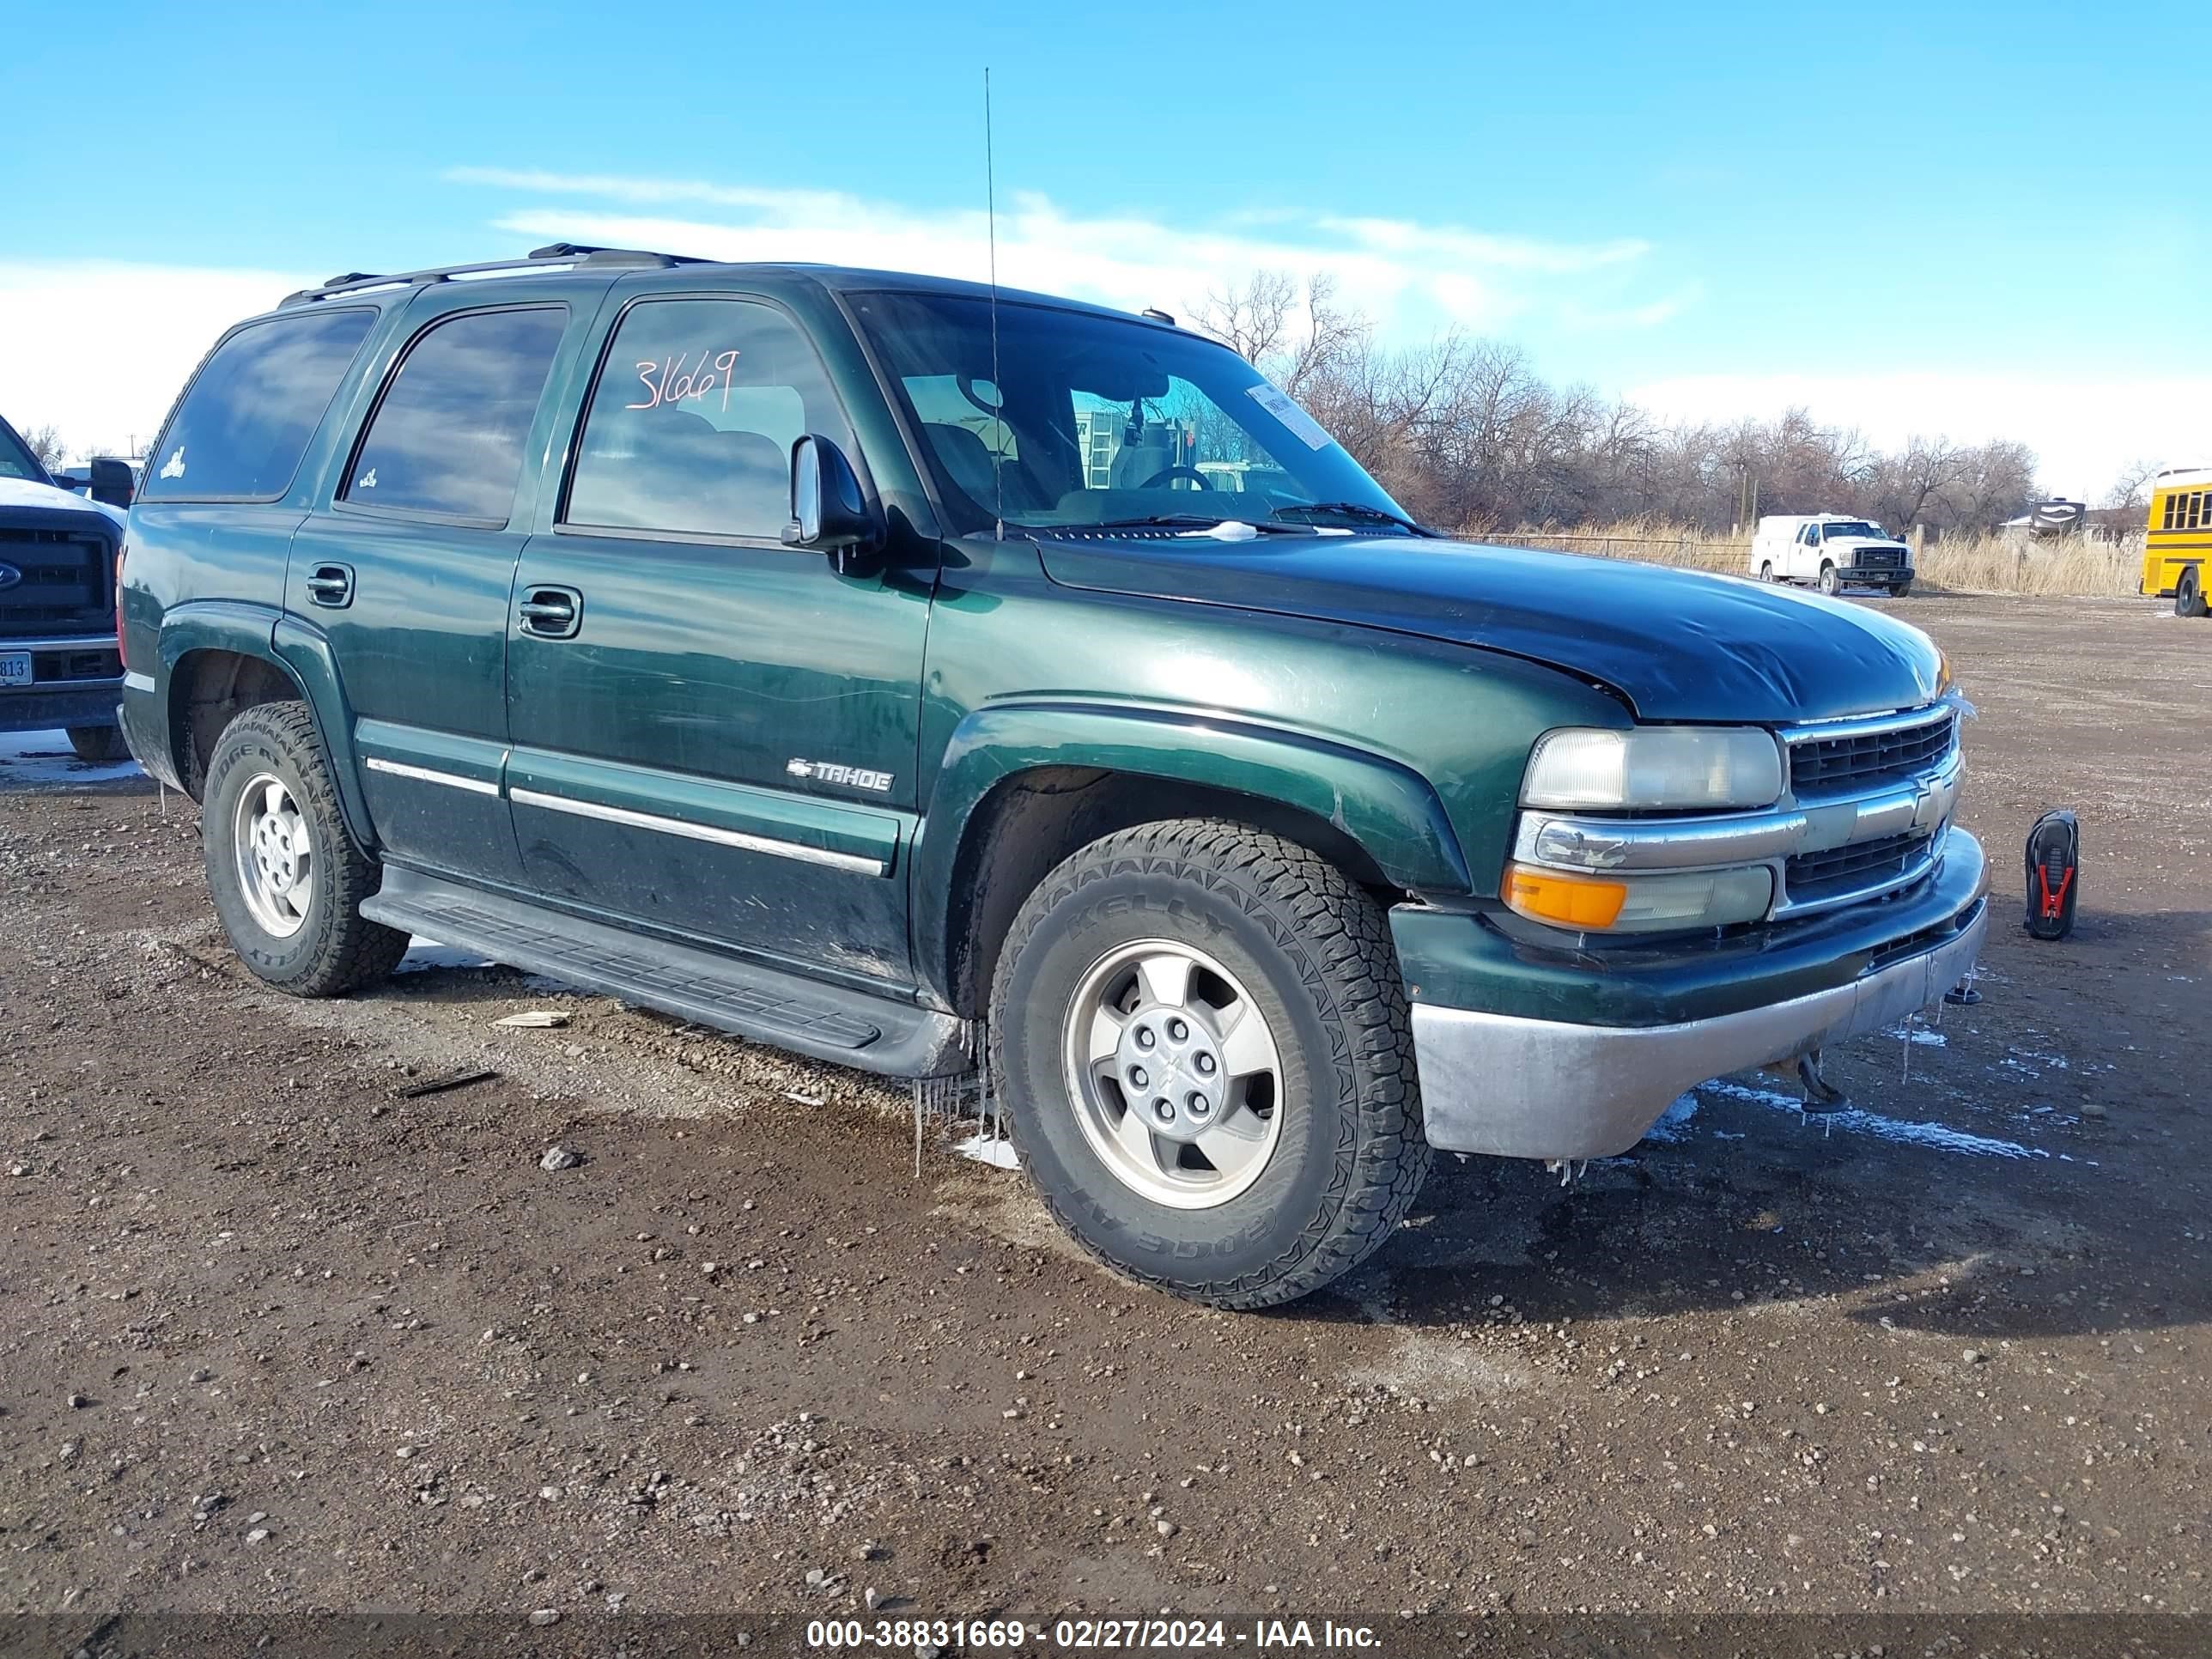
pixel 46 498
pixel 1679 644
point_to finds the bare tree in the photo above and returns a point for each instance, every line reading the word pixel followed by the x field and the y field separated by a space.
pixel 46 442
pixel 1466 434
pixel 2131 491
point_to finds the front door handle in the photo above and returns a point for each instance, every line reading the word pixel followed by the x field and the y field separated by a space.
pixel 331 585
pixel 552 613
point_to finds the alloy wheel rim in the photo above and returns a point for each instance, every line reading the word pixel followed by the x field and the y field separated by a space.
pixel 1175 1073
pixel 274 856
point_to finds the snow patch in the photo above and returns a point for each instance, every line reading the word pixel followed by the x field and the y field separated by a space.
pixel 986 1148
pixel 1674 1123
pixel 424 954
pixel 1904 1132
pixel 46 758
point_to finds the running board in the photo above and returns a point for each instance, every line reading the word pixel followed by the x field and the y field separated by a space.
pixel 827 1022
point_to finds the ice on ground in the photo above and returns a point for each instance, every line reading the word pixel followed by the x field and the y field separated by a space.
pixel 1938 1137
pixel 985 1148
pixel 427 953
pixel 1921 1035
pixel 46 758
pixel 1674 1123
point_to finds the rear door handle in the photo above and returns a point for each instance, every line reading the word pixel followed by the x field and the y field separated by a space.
pixel 552 613
pixel 331 585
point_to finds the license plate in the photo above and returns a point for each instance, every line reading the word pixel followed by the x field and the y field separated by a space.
pixel 15 668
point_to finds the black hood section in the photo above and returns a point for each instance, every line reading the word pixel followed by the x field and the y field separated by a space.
pixel 1679 644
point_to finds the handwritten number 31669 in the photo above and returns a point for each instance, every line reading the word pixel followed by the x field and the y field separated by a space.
pixel 666 380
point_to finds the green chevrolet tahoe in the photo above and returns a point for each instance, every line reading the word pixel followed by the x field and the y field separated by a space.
pixel 928 680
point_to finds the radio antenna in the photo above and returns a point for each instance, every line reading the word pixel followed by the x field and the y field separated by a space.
pixel 998 387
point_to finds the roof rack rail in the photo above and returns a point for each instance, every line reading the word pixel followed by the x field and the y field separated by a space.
pixel 557 256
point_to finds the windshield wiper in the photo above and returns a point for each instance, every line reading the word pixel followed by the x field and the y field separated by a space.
pixel 1355 510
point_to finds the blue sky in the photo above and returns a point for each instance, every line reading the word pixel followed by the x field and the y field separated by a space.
pixel 1983 220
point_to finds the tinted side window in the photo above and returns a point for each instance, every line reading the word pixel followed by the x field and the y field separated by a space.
pixel 246 422
pixel 447 437
pixel 690 425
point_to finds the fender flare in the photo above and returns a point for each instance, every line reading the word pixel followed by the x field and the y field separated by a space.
pixel 294 649
pixel 1388 809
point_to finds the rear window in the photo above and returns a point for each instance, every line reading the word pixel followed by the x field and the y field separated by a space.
pixel 448 436
pixel 246 422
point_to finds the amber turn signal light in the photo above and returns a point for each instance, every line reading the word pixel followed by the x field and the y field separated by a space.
pixel 1565 901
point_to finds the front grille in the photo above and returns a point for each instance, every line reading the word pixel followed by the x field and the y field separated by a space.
pixel 1878 558
pixel 64 581
pixel 1813 876
pixel 1865 761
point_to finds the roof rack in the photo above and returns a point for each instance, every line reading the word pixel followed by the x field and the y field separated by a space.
pixel 554 255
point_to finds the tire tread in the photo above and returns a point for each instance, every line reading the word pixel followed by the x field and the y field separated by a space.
pixel 1379 1172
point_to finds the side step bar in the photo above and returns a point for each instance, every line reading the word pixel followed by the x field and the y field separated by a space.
pixel 827 1022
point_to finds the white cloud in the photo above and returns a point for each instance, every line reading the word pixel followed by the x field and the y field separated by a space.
pixel 98 348
pixel 2083 431
pixel 1410 278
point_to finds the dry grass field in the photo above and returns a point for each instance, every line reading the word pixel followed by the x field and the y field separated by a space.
pixel 1954 564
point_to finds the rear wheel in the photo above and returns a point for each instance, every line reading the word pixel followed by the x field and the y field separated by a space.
pixel 1204 1036
pixel 2188 595
pixel 287 879
pixel 1830 581
pixel 99 744
pixel 1766 571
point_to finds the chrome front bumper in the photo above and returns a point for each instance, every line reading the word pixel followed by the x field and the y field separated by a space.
pixel 1514 1087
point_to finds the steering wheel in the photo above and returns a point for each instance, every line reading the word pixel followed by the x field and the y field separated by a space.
pixel 1167 472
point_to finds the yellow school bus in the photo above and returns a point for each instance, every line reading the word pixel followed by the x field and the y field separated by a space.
pixel 2177 551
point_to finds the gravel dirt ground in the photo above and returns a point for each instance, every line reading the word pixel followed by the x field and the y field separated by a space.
pixel 275 1336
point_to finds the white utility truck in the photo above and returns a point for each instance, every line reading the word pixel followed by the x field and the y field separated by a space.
pixel 1830 551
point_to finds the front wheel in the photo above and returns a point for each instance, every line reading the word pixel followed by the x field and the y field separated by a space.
pixel 287 879
pixel 1205 1042
pixel 1831 583
pixel 99 744
pixel 1899 590
pixel 2188 595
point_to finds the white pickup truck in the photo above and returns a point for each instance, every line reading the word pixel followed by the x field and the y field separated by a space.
pixel 1830 551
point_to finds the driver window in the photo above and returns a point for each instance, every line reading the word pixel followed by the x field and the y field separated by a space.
pixel 690 425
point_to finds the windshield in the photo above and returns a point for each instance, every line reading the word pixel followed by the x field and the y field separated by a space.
pixel 16 458
pixel 1852 527
pixel 1093 420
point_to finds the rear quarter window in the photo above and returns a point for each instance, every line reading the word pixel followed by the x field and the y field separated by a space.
pixel 246 418
pixel 445 440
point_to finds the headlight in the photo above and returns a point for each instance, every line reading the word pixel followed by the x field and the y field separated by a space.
pixel 1655 767
pixel 1640 904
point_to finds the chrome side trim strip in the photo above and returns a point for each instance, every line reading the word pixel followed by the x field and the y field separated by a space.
pixel 785 849
pixel 424 775
pixel 136 682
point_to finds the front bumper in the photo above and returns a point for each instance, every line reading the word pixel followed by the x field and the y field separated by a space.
pixel 1513 1085
pixel 59 705
pixel 76 680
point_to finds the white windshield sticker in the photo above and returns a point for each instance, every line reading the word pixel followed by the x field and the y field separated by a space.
pixel 1281 404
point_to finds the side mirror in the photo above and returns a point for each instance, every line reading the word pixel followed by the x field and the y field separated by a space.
pixel 829 513
pixel 112 480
